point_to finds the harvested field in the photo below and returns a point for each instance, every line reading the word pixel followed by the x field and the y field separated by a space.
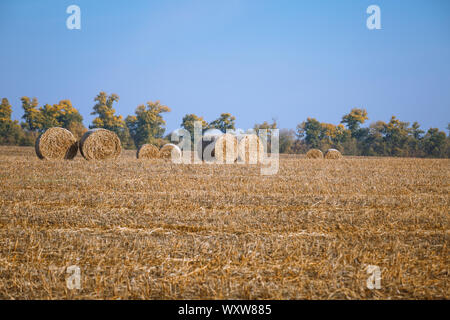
pixel 157 230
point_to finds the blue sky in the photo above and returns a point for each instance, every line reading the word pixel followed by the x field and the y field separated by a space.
pixel 256 59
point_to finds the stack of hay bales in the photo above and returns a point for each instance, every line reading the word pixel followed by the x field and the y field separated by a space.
pixel 314 154
pixel 100 144
pixel 56 144
pixel 170 151
pixel 333 154
pixel 226 148
pixel 148 151
pixel 250 149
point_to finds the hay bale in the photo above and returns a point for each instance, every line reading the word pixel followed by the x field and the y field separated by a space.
pixel 250 149
pixel 170 151
pixel 333 154
pixel 56 144
pixel 148 151
pixel 314 154
pixel 226 148
pixel 100 144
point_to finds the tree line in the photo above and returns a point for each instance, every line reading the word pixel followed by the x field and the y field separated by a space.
pixel 393 138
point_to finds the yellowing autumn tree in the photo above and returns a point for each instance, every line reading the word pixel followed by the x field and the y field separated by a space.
pixel 107 119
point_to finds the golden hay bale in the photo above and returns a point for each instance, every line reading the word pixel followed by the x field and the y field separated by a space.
pixel 226 148
pixel 250 149
pixel 314 154
pixel 333 154
pixel 170 151
pixel 100 144
pixel 148 151
pixel 55 144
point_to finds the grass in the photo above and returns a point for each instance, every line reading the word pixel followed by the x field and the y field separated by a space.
pixel 156 230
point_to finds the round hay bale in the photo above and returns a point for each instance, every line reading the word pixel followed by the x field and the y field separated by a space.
pixel 226 148
pixel 170 151
pixel 250 149
pixel 148 151
pixel 333 154
pixel 100 144
pixel 314 154
pixel 56 144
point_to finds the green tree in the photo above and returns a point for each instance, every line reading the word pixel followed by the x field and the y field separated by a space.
pixel 415 140
pixel 10 131
pixel 188 124
pixel 354 119
pixel 107 119
pixel 435 143
pixel 224 122
pixel 32 115
pixel 396 137
pixel 147 126
pixel 311 130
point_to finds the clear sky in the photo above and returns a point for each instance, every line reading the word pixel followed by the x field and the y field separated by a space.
pixel 256 59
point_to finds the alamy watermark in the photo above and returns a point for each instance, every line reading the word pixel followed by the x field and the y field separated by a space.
pixel 373 22
pixel 74 20
pixel 203 149
pixel 74 280
pixel 374 279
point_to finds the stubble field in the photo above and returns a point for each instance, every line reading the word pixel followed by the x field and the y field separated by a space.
pixel 157 230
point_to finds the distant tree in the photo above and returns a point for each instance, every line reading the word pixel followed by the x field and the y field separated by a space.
pixel 105 112
pixel 435 143
pixel 224 122
pixel 333 136
pixel 31 115
pixel 188 123
pixel 107 119
pixel 11 132
pixel 396 137
pixel 416 132
pixel 5 110
pixel 48 117
pixel 266 125
pixel 70 118
pixel 354 119
pixel 40 119
pixel 311 129
pixel 415 140
pixel 287 141
pixel 147 126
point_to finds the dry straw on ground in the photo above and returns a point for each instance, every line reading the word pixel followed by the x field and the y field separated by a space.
pixel 250 149
pixel 56 144
pixel 170 151
pixel 333 154
pixel 100 144
pixel 223 232
pixel 148 151
pixel 314 154
pixel 226 148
